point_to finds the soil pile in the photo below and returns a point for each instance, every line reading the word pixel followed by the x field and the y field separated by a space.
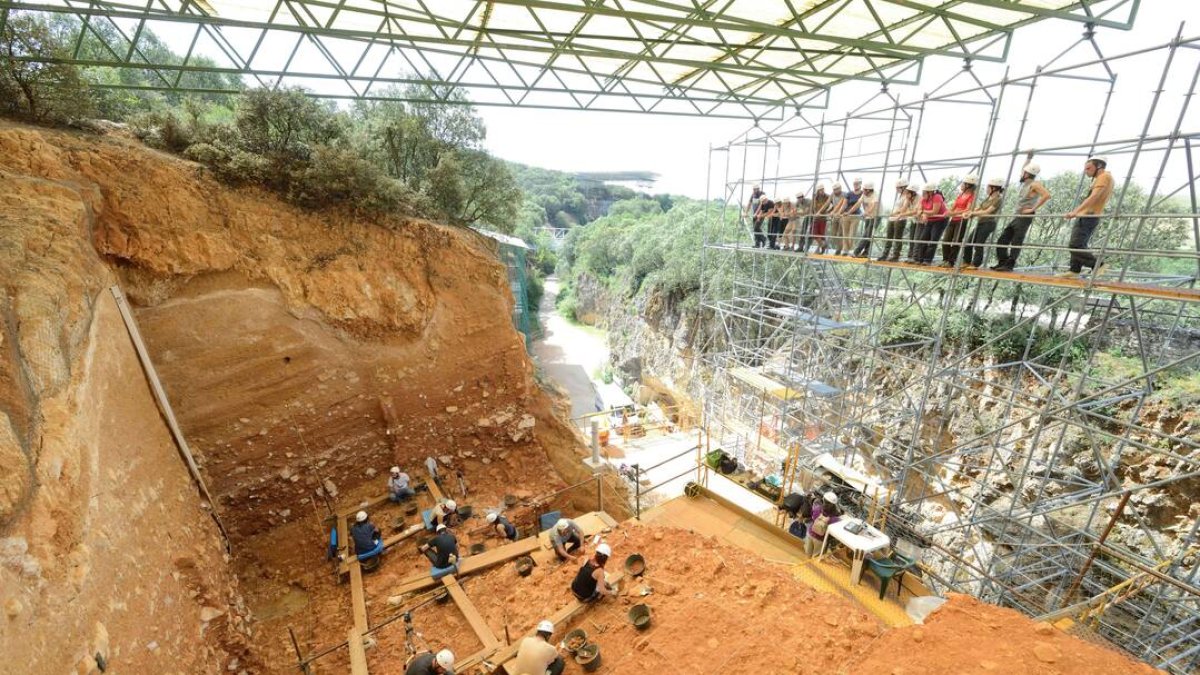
pixel 969 636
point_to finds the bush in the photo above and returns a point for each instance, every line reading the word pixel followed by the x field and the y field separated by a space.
pixel 38 91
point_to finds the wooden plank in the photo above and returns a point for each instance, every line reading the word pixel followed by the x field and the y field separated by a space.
pixel 358 598
pixel 435 490
pixel 388 542
pixel 472 564
pixel 589 523
pixel 478 624
pixel 358 653
pixel 343 532
pixel 507 656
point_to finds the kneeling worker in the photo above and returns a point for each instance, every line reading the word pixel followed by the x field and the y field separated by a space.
pixel 398 486
pixel 368 542
pixel 536 656
pixel 442 552
pixel 442 514
pixel 429 663
pixel 566 538
pixel 500 527
pixel 589 583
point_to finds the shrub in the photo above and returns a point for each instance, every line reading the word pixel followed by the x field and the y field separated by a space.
pixel 42 92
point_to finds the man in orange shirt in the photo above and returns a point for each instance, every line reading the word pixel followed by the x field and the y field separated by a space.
pixel 1087 217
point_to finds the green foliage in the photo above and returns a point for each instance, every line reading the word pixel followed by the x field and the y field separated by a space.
pixel 45 93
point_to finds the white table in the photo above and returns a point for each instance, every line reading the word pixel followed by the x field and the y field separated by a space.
pixel 868 540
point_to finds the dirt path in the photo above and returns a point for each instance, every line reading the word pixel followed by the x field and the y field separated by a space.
pixel 570 354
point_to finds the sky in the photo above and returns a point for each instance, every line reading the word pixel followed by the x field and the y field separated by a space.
pixel 677 148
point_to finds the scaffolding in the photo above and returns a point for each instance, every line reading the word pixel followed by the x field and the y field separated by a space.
pixel 1003 424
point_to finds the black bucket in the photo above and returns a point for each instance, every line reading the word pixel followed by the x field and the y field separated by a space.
pixel 465 512
pixel 524 565
pixel 639 616
pixel 588 657
pixel 635 565
pixel 510 500
pixel 476 549
pixel 575 640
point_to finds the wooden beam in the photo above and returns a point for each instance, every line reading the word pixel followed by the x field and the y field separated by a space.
pixel 478 624
pixel 472 564
pixel 435 490
pixel 358 599
pixel 358 654
pixel 506 656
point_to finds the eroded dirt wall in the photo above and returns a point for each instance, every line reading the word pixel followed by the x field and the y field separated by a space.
pixel 104 548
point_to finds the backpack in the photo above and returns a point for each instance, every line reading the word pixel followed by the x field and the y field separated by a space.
pixel 819 525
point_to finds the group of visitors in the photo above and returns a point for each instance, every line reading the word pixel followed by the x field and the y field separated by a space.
pixel 922 217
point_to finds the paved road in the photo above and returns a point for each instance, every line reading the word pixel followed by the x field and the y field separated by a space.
pixel 569 354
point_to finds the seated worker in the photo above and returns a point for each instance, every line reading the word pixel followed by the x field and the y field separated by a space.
pixel 566 538
pixel 500 527
pixel 442 513
pixel 368 542
pixel 442 552
pixel 589 583
pixel 428 663
pixel 537 656
pixel 398 486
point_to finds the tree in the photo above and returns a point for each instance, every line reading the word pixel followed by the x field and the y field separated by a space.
pixel 47 93
pixel 285 124
pixel 491 195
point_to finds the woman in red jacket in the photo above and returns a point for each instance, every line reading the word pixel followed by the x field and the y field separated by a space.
pixel 953 238
pixel 931 222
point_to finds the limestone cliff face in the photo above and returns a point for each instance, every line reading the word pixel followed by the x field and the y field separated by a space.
pixel 302 353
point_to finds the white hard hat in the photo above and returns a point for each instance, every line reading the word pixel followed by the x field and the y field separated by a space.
pixel 820 187
pixel 545 626
pixel 562 524
pixel 996 182
pixel 869 185
pixel 971 179
pixel 857 181
pixel 837 186
pixel 491 517
pixel 764 198
pixel 395 469
pixel 930 187
pixel 901 184
pixel 360 516
pixel 1032 169
pixel 451 505
pixel 604 550
pixel 440 527
pixel 1098 158
pixel 445 658
pixel 830 497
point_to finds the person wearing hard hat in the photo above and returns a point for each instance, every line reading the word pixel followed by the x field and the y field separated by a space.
pixel 848 216
pixel 1087 218
pixel 428 663
pixel 537 656
pixel 795 235
pixel 590 583
pixel 777 223
pixel 399 487
pixel 821 203
pixel 566 537
pixel 442 552
pixel 932 221
pixel 499 526
pixel 956 230
pixel 902 209
pixel 825 512
pixel 368 542
pixel 837 203
pixel 1031 196
pixel 975 254
pixel 869 205
pixel 444 512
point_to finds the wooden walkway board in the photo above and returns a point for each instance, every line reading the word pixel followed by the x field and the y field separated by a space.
pixel 560 619
pixel 477 622
pixel 589 524
pixel 435 490
pixel 358 654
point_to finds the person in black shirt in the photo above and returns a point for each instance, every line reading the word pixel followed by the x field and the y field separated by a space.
pixel 500 526
pixel 442 552
pixel 765 208
pixel 589 583
pixel 428 663
pixel 368 542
